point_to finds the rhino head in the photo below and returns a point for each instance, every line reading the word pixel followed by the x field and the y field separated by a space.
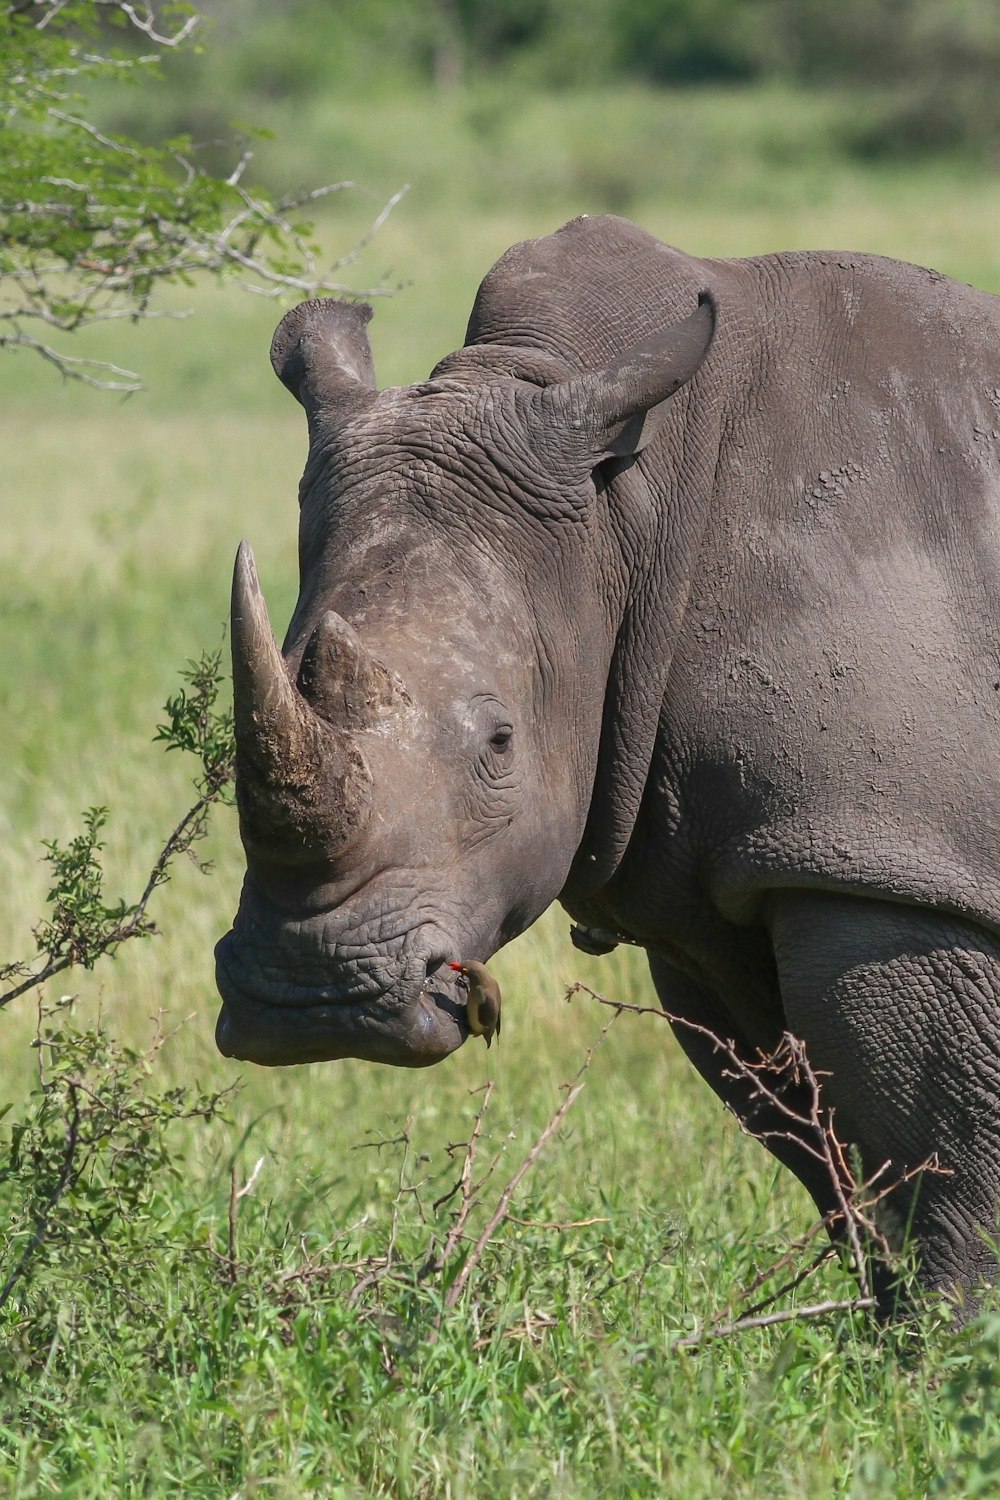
pixel 415 767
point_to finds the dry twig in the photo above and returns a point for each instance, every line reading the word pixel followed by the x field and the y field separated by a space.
pixel 500 1212
pixel 464 1183
pixel 810 1125
pixel 235 1194
pixel 790 1315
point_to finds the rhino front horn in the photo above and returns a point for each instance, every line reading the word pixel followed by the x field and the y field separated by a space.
pixel 302 786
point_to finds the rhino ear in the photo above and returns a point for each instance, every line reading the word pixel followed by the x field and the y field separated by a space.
pixel 320 351
pixel 617 411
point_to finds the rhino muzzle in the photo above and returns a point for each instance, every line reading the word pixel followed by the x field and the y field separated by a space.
pixel 415 1025
pixel 361 980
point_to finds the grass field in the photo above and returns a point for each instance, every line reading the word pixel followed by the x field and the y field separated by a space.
pixel 141 1357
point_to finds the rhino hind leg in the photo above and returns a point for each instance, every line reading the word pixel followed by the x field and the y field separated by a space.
pixel 900 1005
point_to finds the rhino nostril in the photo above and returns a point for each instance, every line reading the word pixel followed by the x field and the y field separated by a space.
pixel 433 964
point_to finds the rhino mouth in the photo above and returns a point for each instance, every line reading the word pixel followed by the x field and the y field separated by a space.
pixel 412 1026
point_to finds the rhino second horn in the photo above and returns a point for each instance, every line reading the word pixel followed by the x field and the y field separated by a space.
pixel 339 679
pixel 302 785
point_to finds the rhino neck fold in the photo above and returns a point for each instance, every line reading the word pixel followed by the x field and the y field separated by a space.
pixel 661 503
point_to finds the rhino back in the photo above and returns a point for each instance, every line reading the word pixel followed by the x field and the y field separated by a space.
pixel 586 293
pixel 836 688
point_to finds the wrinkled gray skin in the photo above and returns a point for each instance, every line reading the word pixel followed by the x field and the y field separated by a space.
pixel 685 614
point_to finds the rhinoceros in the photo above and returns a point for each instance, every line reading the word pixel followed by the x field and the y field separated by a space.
pixel 673 596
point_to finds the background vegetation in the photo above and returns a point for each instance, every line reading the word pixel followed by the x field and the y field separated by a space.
pixel 924 70
pixel 163 1335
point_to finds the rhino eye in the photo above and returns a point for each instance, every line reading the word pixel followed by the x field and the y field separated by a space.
pixel 490 734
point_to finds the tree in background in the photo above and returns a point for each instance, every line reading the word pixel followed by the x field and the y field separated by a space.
pixel 92 222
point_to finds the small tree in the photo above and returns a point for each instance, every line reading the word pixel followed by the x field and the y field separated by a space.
pixel 91 223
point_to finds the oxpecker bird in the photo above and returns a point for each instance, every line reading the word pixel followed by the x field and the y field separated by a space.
pixel 482 1005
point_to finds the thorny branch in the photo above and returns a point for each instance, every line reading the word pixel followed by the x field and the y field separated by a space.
pixel 810 1126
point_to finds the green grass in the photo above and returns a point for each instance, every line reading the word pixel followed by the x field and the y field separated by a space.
pixel 133 1364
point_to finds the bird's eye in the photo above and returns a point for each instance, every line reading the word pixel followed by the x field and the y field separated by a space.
pixel 500 739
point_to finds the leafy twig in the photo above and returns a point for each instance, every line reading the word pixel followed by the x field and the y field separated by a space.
pixel 83 927
pixel 68 1173
pixel 91 1148
pixel 92 223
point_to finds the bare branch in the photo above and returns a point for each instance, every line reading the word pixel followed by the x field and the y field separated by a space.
pixel 475 1255
pixel 74 368
pixel 790 1315
pixel 146 23
pixel 809 1124
pixel 437 1263
pixel 121 147
pixel 143 19
pixel 557 1225
pixel 500 1212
